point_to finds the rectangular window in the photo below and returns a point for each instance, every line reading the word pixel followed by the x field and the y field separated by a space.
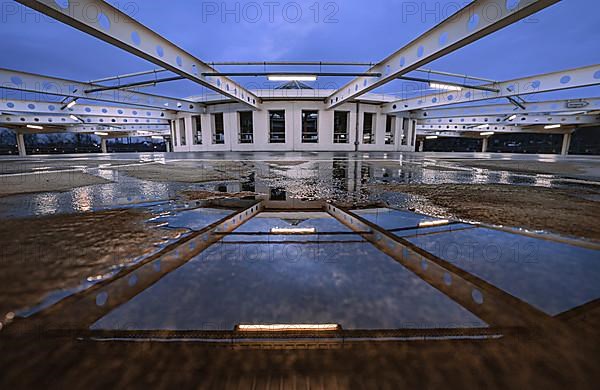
pixel 182 132
pixel 197 130
pixel 218 129
pixel 340 127
pixel 246 128
pixel 405 134
pixel 310 127
pixel 390 129
pixel 369 128
pixel 277 127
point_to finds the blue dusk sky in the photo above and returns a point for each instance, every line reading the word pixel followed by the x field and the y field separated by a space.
pixel 565 35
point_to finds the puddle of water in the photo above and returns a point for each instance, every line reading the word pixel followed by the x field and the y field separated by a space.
pixel 196 219
pixel 551 276
pixel 393 219
pixel 264 222
pixel 351 284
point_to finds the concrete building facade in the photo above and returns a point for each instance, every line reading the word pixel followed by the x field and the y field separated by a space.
pixel 293 123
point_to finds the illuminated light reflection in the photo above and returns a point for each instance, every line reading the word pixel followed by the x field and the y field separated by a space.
pixel 288 327
pixel 434 223
pixel 293 230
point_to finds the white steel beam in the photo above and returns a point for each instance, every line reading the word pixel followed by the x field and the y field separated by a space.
pixel 520 120
pixel 475 21
pixel 45 85
pixel 158 129
pixel 103 21
pixel 547 107
pixel 75 119
pixel 429 129
pixel 435 129
pixel 44 107
pixel 566 79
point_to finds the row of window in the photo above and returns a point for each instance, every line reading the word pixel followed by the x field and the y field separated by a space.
pixel 310 129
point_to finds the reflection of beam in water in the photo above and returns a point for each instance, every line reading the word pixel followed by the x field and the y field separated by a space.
pixel 486 301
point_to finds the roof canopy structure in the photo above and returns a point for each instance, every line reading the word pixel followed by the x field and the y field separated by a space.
pixel 448 109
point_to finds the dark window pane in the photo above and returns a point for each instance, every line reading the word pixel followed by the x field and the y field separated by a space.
pixel 340 127
pixel 197 130
pixel 310 130
pixel 246 128
pixel 390 130
pixel 219 129
pixel 368 130
pixel 277 127
pixel 182 132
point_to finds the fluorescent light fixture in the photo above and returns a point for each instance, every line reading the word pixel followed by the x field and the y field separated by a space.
pixel 482 126
pixel 512 117
pixel 74 118
pixel 552 127
pixel 72 104
pixel 35 127
pixel 275 77
pixel 100 133
pixel 293 230
pixel 157 137
pixel 288 328
pixel 433 223
pixel 446 87
pixel 487 133
pixel 431 137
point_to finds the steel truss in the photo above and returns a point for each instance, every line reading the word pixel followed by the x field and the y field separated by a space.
pixel 519 120
pixel 553 107
pixel 119 29
pixel 471 23
pixel 566 79
pixel 46 85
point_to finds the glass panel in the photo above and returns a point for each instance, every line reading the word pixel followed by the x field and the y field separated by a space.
pixel 390 129
pixel 353 285
pixel 196 219
pixel 310 127
pixel 393 219
pixel 405 134
pixel 277 127
pixel 246 128
pixel 218 129
pixel 340 127
pixel 552 276
pixel 197 130
pixel 368 128
pixel 182 132
pixel 320 221
pixel 433 230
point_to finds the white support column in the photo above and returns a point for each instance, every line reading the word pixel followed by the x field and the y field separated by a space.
pixel 566 145
pixel 484 145
pixel 21 144
pixel 168 145
pixel 103 145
